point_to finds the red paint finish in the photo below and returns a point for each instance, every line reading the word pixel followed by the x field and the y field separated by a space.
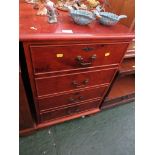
pixel 55 84
pixel 71 98
pixel 26 121
pixel 61 64
pixel 49 58
pixel 123 90
pixel 69 111
pixel 45 31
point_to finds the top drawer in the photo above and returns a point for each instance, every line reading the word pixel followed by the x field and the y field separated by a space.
pixel 51 58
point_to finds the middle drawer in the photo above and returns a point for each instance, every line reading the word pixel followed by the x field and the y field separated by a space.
pixel 62 83
pixel 71 98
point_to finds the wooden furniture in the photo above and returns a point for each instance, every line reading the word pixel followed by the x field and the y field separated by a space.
pixel 26 121
pixel 122 89
pixel 70 67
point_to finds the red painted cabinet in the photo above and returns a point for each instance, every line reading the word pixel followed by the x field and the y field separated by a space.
pixel 69 73
pixel 76 89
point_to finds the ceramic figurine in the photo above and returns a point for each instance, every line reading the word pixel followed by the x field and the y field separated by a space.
pixel 34 2
pixel 62 3
pixel 41 8
pixel 31 1
pixel 108 18
pixel 81 17
pixel 83 7
pixel 92 3
pixel 78 5
pixel 51 11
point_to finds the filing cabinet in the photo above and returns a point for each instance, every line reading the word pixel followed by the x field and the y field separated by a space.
pixel 69 74
pixel 65 83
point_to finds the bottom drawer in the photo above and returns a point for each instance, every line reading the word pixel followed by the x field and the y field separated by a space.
pixel 69 110
pixel 71 98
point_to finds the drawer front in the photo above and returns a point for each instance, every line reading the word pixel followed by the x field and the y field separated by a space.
pixel 50 58
pixel 56 84
pixel 71 98
pixel 69 111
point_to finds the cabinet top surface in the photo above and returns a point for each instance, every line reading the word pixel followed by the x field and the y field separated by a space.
pixel 33 27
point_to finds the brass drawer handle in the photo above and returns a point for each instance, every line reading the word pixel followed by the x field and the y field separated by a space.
pixel 77 85
pixel 77 110
pixel 72 100
pixel 81 61
pixel 70 111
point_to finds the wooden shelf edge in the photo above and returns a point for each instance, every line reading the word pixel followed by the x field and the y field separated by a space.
pixel 129 56
pixel 118 99
pixel 122 90
pixel 127 66
pixel 118 103
pixel 127 72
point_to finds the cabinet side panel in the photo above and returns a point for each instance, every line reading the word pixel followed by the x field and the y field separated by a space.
pixel 25 117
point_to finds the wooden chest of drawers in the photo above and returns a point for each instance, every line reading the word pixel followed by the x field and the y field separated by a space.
pixel 70 73
pixel 64 86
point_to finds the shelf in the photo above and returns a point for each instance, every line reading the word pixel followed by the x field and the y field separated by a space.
pixel 127 66
pixel 122 91
pixel 132 45
pixel 130 54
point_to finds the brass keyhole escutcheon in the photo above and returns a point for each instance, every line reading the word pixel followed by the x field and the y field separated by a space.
pixel 107 54
pixel 59 55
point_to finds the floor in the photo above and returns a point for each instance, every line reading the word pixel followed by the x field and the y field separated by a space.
pixel 110 132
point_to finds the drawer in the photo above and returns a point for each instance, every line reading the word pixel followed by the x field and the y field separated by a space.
pixel 71 98
pixel 50 58
pixel 69 111
pixel 55 84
